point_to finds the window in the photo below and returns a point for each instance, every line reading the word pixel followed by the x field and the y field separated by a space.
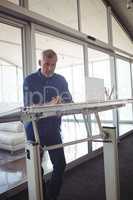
pixel 124 87
pixel 62 11
pixel 76 131
pixel 94 19
pixel 99 67
pixel 126 112
pixel 124 128
pixel 10 65
pixel 11 78
pixel 95 131
pixel 11 175
pixel 120 38
pixel 71 65
pixel 70 62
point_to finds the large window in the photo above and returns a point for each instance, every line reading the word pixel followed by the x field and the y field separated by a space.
pixel 63 11
pixel 73 131
pixel 11 78
pixel 94 19
pixel 120 38
pixel 124 87
pixel 99 67
pixel 70 64
pixel 124 128
pixel 10 65
pixel 124 92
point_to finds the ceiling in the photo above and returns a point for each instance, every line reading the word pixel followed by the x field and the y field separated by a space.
pixel 124 15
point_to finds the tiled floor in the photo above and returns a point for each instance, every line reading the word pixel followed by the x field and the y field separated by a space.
pixel 13 169
pixel 11 174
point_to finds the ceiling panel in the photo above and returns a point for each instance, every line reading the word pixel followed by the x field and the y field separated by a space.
pixel 125 15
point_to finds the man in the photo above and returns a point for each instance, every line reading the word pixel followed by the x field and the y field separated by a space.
pixel 41 87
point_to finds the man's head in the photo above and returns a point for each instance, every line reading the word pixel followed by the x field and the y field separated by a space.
pixel 48 62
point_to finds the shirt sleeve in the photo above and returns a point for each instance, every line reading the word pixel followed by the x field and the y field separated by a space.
pixel 26 93
pixel 66 96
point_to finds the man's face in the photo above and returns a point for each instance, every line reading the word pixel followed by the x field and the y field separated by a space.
pixel 48 64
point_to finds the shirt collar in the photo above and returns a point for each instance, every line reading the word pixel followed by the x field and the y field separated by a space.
pixel 42 76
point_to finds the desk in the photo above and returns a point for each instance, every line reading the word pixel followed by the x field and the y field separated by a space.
pixel 107 136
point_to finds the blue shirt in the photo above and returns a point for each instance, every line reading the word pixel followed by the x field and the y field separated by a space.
pixel 39 89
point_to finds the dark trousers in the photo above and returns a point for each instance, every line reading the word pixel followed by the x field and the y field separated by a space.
pixel 57 158
pixel 51 137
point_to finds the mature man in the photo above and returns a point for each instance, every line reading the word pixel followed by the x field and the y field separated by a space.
pixel 41 87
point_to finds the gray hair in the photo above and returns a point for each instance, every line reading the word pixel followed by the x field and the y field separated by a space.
pixel 49 53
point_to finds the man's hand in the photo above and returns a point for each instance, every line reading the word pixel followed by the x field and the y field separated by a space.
pixel 55 100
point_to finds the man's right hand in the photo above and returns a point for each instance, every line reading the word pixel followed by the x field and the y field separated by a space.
pixel 55 100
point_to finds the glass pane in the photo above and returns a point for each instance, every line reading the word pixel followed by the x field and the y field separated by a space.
pixel 70 62
pixel 95 131
pixel 62 11
pixel 9 94
pixel 72 131
pixel 46 163
pixel 10 65
pixel 124 128
pixel 123 84
pixel 10 178
pixel 124 87
pixel 94 19
pixel 71 65
pixel 14 1
pixel 99 67
pixel 125 113
pixel 12 137
pixel 120 38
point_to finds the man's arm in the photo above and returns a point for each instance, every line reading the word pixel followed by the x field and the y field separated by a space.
pixel 26 92
pixel 31 96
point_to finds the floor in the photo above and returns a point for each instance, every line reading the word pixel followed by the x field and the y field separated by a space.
pixel 13 169
pixel 12 173
pixel 86 181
